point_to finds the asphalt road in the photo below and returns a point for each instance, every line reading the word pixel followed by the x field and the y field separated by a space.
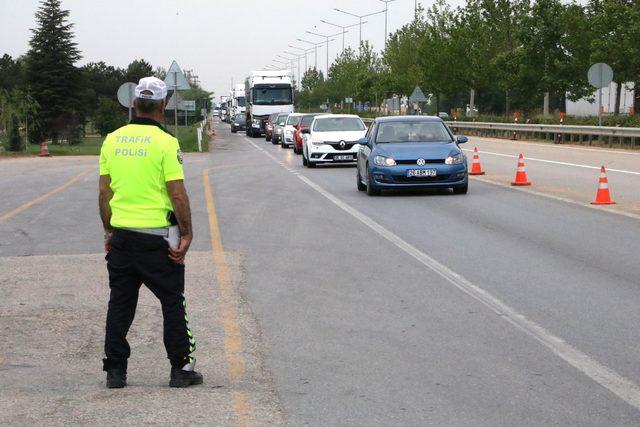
pixel 320 305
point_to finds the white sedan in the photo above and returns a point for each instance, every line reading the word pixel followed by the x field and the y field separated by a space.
pixel 332 138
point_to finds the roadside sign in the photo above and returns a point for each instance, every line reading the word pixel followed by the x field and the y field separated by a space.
pixel 600 76
pixel 418 96
pixel 348 100
pixel 126 95
pixel 171 104
pixel 189 105
pixel 176 79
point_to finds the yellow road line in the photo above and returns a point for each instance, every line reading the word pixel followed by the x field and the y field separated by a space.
pixel 27 205
pixel 232 335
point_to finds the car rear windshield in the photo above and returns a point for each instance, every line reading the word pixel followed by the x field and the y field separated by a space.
pixel 416 131
pixel 306 121
pixel 338 124
pixel 293 120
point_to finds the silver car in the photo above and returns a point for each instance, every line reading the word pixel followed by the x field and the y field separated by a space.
pixel 278 129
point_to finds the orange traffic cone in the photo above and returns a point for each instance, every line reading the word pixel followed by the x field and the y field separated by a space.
pixel 476 169
pixel 521 174
pixel 44 149
pixel 603 197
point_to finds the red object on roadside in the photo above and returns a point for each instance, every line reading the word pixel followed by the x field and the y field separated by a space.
pixel 603 197
pixel 44 149
pixel 476 168
pixel 521 173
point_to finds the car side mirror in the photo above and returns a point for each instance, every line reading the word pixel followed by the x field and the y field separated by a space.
pixel 307 131
pixel 363 141
pixel 461 139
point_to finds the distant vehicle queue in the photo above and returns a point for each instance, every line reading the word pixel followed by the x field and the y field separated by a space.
pixel 391 153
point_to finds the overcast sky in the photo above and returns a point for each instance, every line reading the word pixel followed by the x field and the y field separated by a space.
pixel 220 40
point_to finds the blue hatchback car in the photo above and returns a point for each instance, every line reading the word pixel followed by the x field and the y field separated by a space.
pixel 411 152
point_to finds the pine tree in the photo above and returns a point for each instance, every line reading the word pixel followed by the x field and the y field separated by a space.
pixel 53 79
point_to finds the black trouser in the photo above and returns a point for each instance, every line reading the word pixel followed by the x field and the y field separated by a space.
pixel 137 258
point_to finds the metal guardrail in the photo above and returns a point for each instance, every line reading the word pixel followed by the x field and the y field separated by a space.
pixel 561 129
pixel 625 136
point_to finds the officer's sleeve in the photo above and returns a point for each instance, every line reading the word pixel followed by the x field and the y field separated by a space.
pixel 104 167
pixel 172 162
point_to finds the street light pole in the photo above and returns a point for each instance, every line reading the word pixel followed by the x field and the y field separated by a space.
pixel 306 51
pixel 315 45
pixel 386 12
pixel 343 27
pixel 327 37
pixel 299 56
pixel 360 19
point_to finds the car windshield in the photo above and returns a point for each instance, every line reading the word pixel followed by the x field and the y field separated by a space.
pixel 241 101
pixel 293 120
pixel 416 131
pixel 338 124
pixel 282 119
pixel 272 96
pixel 239 118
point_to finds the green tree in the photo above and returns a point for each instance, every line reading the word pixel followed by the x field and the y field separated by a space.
pixel 99 80
pixel 616 24
pixel 138 69
pixel 109 116
pixel 53 79
pixel 12 72
pixel 15 142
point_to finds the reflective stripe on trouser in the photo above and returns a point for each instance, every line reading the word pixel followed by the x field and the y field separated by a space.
pixel 135 259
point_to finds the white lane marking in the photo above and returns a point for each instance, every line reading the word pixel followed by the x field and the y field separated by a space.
pixel 534 159
pixel 606 377
pixel 564 147
pixel 599 208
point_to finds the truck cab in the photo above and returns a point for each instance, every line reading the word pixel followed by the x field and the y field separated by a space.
pixel 267 92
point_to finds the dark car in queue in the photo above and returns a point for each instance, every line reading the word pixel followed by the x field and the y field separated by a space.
pixel 238 122
pixel 298 135
pixel 269 125
pixel 411 152
pixel 278 128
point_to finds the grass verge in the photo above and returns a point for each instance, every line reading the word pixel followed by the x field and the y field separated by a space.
pixel 90 145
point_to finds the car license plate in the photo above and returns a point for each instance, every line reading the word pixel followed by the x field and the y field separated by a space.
pixel 420 173
pixel 342 157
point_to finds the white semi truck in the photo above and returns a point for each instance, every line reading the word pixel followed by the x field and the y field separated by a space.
pixel 238 100
pixel 267 92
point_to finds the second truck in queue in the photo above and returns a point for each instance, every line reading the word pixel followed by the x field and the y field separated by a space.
pixel 267 92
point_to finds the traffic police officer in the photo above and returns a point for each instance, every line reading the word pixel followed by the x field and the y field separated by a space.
pixel 142 194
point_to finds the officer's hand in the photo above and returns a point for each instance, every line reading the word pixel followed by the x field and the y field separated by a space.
pixel 177 255
pixel 107 242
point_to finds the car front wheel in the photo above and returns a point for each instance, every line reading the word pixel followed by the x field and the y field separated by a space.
pixel 372 190
pixel 360 185
pixel 461 189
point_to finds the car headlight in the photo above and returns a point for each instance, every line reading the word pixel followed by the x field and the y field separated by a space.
pixel 314 142
pixel 453 160
pixel 289 133
pixel 279 130
pixel 384 161
pixel 255 121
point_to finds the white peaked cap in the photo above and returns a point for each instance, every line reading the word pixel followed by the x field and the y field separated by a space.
pixel 151 84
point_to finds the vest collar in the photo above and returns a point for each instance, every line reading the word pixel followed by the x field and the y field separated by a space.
pixel 148 122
